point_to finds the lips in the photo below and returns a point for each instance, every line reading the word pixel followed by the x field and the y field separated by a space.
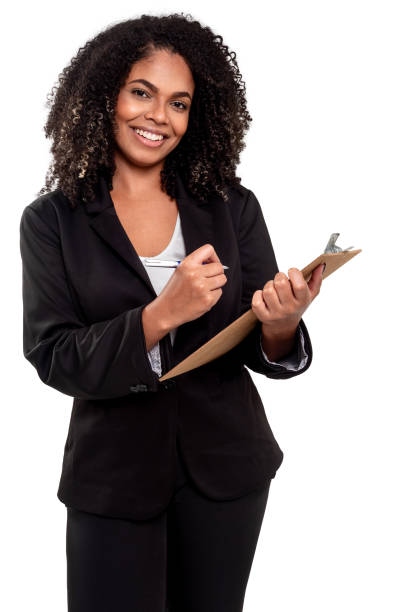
pixel 146 142
pixel 151 130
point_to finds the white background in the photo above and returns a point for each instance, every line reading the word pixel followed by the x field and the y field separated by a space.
pixel 326 152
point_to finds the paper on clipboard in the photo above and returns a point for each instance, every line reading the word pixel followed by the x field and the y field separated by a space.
pixel 234 333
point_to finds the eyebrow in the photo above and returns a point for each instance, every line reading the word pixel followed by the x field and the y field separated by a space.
pixel 176 94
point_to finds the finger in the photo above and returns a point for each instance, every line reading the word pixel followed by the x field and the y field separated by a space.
pixel 258 305
pixel 216 281
pixel 208 260
pixel 270 297
pixel 206 252
pixel 315 281
pixel 299 286
pixel 283 288
pixel 211 269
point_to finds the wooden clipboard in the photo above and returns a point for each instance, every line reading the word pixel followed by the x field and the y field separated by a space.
pixel 234 333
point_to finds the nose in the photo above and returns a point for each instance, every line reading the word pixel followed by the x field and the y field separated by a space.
pixel 157 111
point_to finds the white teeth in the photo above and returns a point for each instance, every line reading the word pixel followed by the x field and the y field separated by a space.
pixel 149 135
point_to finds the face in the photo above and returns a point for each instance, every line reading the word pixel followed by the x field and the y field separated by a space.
pixel 157 96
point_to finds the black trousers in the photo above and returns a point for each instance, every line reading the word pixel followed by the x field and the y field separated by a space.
pixel 196 556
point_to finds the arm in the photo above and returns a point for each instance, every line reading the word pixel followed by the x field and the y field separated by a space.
pixel 102 360
pixel 258 265
pixel 293 360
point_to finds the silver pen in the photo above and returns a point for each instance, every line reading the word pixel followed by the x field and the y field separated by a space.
pixel 167 263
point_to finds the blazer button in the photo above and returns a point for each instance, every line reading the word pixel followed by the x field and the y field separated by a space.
pixel 169 383
pixel 138 388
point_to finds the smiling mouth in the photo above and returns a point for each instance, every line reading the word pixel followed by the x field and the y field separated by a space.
pixel 147 141
pixel 150 135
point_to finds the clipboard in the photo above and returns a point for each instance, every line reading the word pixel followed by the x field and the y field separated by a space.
pixel 334 257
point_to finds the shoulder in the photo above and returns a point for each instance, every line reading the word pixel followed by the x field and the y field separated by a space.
pixel 241 206
pixel 242 201
pixel 237 191
pixel 44 213
pixel 49 204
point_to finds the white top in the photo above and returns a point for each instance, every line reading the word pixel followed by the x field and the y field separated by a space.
pixel 160 276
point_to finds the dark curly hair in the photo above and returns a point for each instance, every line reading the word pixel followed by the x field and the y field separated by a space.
pixel 82 108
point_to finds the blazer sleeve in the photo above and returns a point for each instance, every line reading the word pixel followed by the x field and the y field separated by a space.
pixel 258 265
pixel 291 362
pixel 103 360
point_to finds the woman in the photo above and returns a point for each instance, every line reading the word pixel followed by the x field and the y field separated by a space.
pixel 165 482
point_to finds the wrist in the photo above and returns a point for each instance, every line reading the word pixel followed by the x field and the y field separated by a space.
pixel 277 344
pixel 282 334
pixel 157 310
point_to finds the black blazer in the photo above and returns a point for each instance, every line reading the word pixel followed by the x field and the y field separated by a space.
pixel 84 289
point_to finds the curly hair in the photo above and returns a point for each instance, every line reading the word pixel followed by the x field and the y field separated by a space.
pixel 81 121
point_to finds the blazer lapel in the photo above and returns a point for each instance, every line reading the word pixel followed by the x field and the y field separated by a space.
pixel 195 217
pixel 105 222
pixel 196 221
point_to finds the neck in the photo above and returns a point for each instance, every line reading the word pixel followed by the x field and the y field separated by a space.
pixel 135 181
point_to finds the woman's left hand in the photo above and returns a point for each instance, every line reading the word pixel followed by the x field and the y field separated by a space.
pixel 282 302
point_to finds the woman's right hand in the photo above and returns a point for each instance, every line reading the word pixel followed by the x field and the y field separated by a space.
pixel 193 288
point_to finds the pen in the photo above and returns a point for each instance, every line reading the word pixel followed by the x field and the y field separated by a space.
pixel 167 263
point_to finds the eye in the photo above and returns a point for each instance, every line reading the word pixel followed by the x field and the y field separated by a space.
pixel 142 91
pixel 184 106
pixel 134 90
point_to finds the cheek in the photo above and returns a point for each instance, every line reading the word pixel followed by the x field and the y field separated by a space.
pixel 126 107
pixel 181 125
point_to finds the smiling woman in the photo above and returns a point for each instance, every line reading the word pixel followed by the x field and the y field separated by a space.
pixel 194 95
pixel 165 481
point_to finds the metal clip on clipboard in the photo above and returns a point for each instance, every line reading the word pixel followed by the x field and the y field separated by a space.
pixel 332 247
pixel 333 256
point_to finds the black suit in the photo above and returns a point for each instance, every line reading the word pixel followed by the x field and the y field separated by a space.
pixel 84 289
